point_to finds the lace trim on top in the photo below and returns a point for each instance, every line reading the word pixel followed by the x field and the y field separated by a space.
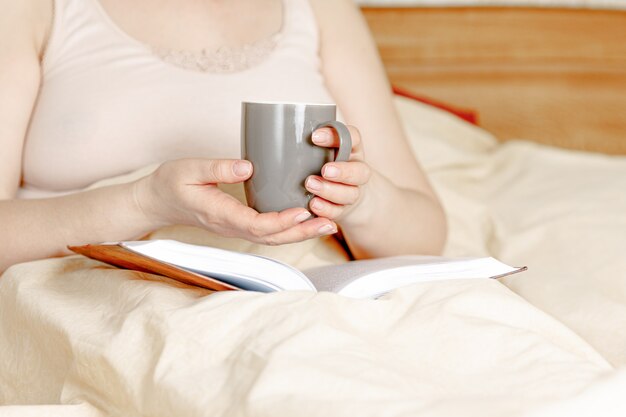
pixel 226 59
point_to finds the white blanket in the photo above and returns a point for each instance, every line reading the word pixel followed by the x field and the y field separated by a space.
pixel 560 212
pixel 80 338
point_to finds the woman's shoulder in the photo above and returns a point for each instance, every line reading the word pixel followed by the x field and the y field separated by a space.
pixel 331 14
pixel 28 20
pixel 333 7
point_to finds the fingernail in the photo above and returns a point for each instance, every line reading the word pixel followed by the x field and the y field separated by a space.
pixel 320 136
pixel 242 168
pixel 331 171
pixel 316 204
pixel 305 215
pixel 327 229
pixel 314 184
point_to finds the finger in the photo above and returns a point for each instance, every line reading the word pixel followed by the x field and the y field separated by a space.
pixel 351 173
pixel 214 171
pixel 325 208
pixel 328 137
pixel 311 229
pixel 223 211
pixel 260 225
pixel 332 191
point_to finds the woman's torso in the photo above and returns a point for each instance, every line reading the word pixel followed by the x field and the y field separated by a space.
pixel 110 104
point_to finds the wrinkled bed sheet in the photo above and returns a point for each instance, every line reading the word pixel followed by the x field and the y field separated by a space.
pixel 78 338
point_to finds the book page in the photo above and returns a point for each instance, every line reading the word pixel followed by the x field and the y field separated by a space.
pixel 243 270
pixel 334 277
pixel 371 278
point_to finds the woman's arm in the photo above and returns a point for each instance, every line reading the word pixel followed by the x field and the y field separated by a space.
pixel 23 29
pixel 397 211
pixel 42 228
pixel 179 192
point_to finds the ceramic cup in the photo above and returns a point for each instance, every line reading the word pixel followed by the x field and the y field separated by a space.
pixel 276 139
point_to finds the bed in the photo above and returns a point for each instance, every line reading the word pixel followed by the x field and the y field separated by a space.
pixel 555 76
pixel 78 338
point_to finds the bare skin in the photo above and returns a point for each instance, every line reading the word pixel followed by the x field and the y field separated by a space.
pixel 380 199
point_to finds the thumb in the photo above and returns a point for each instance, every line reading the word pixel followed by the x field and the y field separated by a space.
pixel 227 171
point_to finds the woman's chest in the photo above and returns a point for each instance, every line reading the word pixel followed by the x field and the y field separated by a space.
pixel 90 126
pixel 109 105
pixel 194 25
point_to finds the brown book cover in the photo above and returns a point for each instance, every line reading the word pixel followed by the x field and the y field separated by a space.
pixel 119 256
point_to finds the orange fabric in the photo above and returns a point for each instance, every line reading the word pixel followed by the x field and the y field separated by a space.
pixel 470 116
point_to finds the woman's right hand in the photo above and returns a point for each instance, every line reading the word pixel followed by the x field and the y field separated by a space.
pixel 185 192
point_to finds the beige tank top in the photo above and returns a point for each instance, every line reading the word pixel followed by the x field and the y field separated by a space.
pixel 110 104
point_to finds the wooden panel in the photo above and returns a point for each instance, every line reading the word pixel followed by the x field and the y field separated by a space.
pixel 556 76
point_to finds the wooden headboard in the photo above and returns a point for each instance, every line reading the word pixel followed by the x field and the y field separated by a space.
pixel 555 76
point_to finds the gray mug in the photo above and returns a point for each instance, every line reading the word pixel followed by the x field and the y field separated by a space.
pixel 276 139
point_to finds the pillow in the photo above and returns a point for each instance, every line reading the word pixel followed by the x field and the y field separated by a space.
pixel 470 116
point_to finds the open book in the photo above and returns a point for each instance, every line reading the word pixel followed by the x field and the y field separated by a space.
pixel 218 269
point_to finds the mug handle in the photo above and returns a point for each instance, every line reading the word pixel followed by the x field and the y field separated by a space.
pixel 345 140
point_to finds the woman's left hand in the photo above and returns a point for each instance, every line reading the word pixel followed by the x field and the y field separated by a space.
pixel 342 184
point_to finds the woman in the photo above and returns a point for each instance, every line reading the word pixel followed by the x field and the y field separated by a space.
pixel 96 88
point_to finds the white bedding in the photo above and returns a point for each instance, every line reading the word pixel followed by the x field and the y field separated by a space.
pixel 561 213
pixel 97 341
